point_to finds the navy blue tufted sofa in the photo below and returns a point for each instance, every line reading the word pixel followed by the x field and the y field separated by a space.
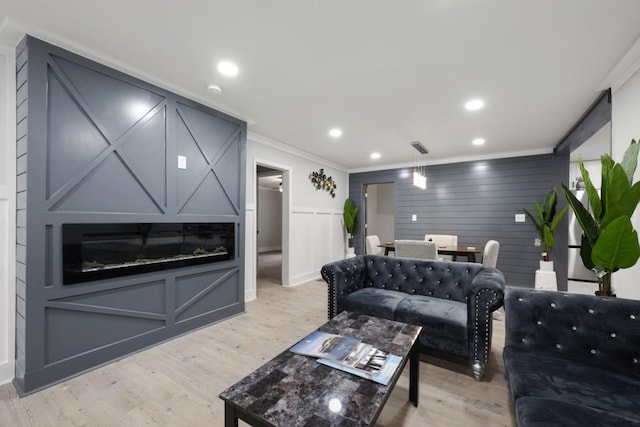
pixel 452 301
pixel 572 360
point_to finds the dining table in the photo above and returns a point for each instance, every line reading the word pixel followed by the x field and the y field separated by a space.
pixel 454 251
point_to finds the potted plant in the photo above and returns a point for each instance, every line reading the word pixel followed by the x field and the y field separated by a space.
pixel 350 216
pixel 609 241
pixel 546 222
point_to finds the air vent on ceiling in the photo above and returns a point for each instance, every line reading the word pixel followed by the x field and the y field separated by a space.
pixel 418 146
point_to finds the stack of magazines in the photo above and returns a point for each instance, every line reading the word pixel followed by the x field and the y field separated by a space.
pixel 350 355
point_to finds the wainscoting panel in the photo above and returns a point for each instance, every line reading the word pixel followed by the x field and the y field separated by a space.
pixel 73 332
pixel 302 245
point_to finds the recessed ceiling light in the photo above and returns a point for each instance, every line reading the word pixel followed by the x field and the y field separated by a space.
pixel 215 89
pixel 375 155
pixel 335 133
pixel 474 104
pixel 227 68
pixel 478 141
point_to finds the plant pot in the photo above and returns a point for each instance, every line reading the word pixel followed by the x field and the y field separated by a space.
pixel 546 265
pixel 602 294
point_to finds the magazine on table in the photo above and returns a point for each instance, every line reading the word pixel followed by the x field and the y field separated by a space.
pixel 326 346
pixel 368 362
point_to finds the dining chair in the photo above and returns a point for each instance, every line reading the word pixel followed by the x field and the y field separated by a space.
pixel 416 249
pixel 490 254
pixel 372 245
pixel 448 240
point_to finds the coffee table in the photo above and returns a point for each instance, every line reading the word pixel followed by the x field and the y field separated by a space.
pixel 295 390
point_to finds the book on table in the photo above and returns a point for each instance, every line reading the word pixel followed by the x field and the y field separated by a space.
pixel 350 355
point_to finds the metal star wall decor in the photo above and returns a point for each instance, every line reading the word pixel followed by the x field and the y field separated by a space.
pixel 322 182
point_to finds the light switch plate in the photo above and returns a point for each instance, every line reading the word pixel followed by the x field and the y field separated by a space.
pixel 182 162
pixel 414 218
pixel 520 218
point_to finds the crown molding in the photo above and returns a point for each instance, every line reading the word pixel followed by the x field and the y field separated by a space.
pixel 449 160
pixel 22 29
pixel 626 67
pixel 269 142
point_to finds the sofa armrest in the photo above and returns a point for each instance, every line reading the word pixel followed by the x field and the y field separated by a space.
pixel 486 294
pixel 343 277
pixel 599 331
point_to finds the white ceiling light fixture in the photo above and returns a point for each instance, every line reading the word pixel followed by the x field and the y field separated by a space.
pixel 215 89
pixel 375 156
pixel 420 170
pixel 335 133
pixel 474 104
pixel 478 141
pixel 228 68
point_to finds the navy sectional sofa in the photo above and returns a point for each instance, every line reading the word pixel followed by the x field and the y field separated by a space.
pixel 572 360
pixel 452 301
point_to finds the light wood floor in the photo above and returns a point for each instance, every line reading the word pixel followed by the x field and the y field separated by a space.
pixel 177 383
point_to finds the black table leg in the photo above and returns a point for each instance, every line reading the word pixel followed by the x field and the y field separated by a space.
pixel 230 417
pixel 414 375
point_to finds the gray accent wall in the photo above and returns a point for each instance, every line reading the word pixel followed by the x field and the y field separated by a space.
pixel 97 146
pixel 477 201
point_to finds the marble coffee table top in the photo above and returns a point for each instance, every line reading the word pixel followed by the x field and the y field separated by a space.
pixel 295 390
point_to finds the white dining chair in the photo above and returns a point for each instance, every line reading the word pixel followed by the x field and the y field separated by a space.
pixel 416 249
pixel 448 240
pixel 372 245
pixel 490 254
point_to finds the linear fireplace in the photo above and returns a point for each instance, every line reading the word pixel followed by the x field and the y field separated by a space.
pixel 101 251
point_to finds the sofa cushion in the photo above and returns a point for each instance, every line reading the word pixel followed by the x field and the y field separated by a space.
pixel 439 317
pixel 374 302
pixel 541 375
pixel 537 412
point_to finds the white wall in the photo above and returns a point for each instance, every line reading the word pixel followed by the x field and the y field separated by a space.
pixel 269 220
pixel 625 121
pixel 381 207
pixel 386 212
pixel 7 213
pixel 315 219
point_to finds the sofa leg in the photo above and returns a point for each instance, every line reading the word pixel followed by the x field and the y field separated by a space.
pixel 478 369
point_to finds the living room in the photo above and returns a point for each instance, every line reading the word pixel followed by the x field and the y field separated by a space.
pixel 313 233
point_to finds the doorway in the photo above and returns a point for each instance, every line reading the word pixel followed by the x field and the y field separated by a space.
pixel 380 211
pixel 269 208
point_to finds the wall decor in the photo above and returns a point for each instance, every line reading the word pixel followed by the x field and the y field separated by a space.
pixel 322 182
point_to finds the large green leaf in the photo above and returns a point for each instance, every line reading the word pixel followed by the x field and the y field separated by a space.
pixel 549 205
pixel 630 159
pixel 625 204
pixel 558 218
pixel 548 237
pixel 585 253
pixel 617 245
pixel 592 193
pixel 586 221
pixel 533 221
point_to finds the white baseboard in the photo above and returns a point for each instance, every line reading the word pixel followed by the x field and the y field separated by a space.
pixel 304 278
pixel 250 295
pixel 7 372
pixel 269 248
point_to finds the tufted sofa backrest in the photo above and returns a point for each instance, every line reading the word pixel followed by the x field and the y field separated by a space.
pixel 599 331
pixel 446 280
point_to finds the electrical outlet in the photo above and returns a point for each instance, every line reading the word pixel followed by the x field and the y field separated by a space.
pixel 537 242
pixel 414 217
pixel 520 218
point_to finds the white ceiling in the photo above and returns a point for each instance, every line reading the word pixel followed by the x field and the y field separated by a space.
pixel 386 72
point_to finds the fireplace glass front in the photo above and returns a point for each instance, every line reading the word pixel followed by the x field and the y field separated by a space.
pixel 100 251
